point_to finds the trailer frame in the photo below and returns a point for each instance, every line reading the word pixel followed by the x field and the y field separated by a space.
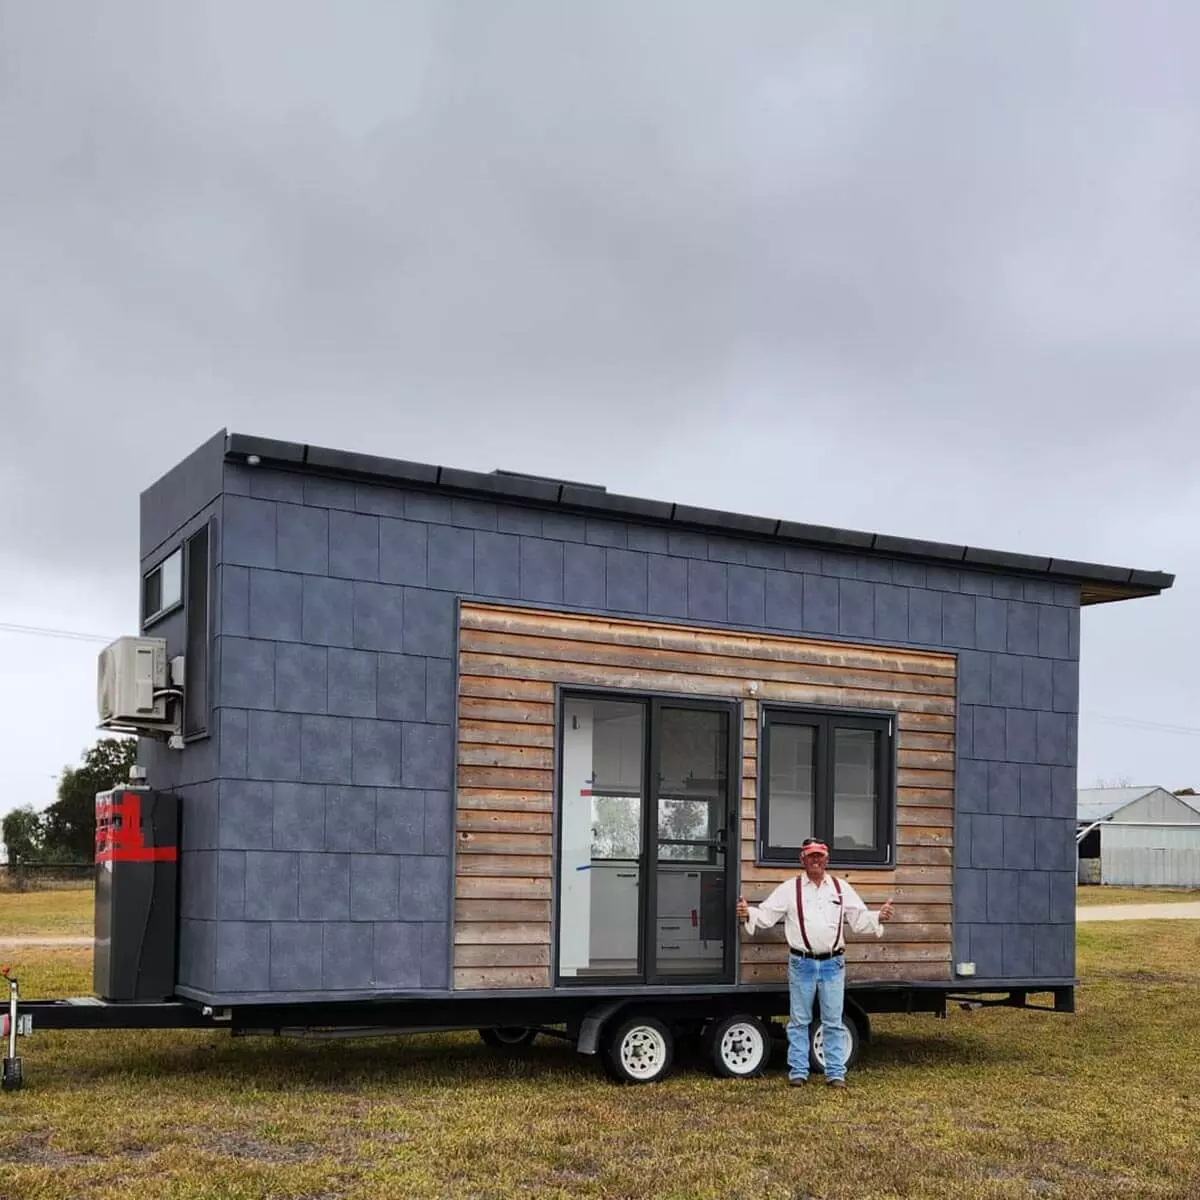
pixel 586 1017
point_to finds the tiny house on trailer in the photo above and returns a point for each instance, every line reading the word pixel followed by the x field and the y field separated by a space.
pixel 461 750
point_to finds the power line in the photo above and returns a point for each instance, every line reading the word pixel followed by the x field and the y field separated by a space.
pixel 1134 723
pixel 72 635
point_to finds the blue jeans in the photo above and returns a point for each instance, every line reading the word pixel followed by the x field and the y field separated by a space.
pixel 827 979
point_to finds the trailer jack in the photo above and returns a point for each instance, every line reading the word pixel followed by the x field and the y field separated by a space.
pixel 10 1081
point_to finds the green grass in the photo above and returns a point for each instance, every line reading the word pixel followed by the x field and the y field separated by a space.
pixel 65 912
pixel 1101 894
pixel 987 1105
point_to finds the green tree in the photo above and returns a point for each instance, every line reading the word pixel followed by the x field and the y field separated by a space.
pixel 71 819
pixel 23 834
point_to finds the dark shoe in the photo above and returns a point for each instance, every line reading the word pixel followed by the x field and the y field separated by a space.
pixel 837 1083
pixel 799 1081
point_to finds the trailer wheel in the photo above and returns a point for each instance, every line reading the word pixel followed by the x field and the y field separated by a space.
pixel 638 1050
pixel 817 1041
pixel 508 1037
pixel 739 1046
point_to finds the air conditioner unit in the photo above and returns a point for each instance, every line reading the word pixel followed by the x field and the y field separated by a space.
pixel 132 677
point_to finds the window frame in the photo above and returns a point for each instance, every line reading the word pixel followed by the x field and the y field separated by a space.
pixel 824 721
pixel 152 618
pixel 196 713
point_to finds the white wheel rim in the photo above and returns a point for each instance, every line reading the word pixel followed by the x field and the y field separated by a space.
pixel 818 1046
pixel 741 1047
pixel 643 1052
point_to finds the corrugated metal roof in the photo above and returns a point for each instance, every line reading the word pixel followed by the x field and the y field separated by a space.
pixel 1098 804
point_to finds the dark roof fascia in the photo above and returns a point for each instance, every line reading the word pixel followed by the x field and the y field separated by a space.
pixel 1116 582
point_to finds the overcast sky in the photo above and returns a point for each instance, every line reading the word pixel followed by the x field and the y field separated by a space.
pixel 930 269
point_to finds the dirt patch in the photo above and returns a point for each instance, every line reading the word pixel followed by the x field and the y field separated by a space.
pixel 1141 977
pixel 237 1145
pixel 387 1137
pixel 34 1150
pixel 573 1175
pixel 1033 1183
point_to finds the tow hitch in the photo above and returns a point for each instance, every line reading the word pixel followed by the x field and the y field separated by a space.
pixel 11 1079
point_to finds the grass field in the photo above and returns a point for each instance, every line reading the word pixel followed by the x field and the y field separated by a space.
pixel 1093 895
pixel 994 1104
pixel 65 912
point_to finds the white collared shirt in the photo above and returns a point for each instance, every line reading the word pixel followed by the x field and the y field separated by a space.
pixel 821 910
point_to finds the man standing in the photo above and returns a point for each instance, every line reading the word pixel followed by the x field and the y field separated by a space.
pixel 816 907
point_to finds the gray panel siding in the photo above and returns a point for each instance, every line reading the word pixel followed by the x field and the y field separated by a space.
pixel 172 510
pixel 169 503
pixel 329 838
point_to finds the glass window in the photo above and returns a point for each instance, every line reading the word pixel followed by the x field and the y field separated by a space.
pixel 855 788
pixel 195 655
pixel 162 588
pixel 616 826
pixel 684 828
pixel 692 782
pixel 825 775
pixel 792 782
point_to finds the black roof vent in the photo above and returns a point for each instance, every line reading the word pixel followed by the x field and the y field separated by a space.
pixel 591 487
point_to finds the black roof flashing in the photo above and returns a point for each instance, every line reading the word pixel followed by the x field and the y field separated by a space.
pixel 1099 583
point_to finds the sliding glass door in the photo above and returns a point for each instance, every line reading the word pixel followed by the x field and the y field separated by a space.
pixel 691 797
pixel 648 819
pixel 602 753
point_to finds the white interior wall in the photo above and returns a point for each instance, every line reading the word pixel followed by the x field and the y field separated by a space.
pixel 575 855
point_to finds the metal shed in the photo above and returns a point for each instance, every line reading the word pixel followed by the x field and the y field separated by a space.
pixel 1138 837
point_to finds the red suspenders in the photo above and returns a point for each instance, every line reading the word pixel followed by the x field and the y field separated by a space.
pixel 837 937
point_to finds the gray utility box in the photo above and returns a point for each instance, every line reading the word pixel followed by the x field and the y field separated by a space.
pixel 137 839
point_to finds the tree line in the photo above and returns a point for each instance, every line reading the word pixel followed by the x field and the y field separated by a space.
pixel 66 831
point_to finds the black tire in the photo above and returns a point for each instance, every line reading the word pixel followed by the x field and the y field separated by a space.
pixel 816 1053
pixel 739 1046
pixel 638 1050
pixel 12 1080
pixel 508 1037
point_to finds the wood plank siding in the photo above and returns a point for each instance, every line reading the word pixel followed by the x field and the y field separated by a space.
pixel 510 661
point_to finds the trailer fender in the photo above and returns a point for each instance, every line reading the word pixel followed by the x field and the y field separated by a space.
pixel 593 1022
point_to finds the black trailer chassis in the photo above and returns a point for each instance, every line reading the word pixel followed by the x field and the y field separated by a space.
pixel 733 1026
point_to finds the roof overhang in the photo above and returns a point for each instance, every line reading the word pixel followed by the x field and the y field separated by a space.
pixel 1098 583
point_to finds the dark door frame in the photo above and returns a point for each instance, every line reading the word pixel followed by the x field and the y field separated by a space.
pixel 652 704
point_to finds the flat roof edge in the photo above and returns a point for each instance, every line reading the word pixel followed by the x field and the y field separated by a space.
pixel 1110 583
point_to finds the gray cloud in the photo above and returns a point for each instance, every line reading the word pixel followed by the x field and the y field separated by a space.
pixel 935 271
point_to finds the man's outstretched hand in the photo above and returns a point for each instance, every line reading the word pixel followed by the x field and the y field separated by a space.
pixel 743 909
pixel 885 913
